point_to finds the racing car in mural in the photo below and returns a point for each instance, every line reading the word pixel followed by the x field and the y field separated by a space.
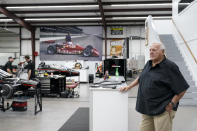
pixel 72 49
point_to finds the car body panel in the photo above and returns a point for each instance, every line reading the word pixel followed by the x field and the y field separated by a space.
pixel 72 49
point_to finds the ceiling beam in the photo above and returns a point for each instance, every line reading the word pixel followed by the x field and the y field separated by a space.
pixel 93 16
pixel 104 24
pixel 48 4
pixel 56 22
pixel 138 2
pixel 65 22
pixel 102 13
pixel 54 11
pixel 89 3
pixel 16 18
pixel 16 26
pixel 90 10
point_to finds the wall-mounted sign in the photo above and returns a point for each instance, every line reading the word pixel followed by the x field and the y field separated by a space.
pixel 116 48
pixel 117 30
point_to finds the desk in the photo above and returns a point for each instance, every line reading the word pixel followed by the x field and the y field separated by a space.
pixel 108 109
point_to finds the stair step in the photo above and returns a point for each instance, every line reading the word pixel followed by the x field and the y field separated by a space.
pixel 173 53
pixel 190 95
pixel 174 59
pixel 192 89
pixel 190 82
pixel 188 102
pixel 187 76
pixel 185 72
pixel 173 50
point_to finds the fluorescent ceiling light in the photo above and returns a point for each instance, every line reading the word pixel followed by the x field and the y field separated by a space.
pixel 120 18
pixel 138 18
pixel 36 7
pixel 56 19
pixel 125 22
pixel 6 20
pixel 184 3
pixel 137 5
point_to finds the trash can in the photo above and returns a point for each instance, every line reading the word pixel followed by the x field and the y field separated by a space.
pixel 91 78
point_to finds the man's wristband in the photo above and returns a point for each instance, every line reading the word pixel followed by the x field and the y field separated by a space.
pixel 173 104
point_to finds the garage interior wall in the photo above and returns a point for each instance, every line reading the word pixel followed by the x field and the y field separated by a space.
pixel 136 46
pixel 9 44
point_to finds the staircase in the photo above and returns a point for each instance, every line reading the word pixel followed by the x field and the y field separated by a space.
pixel 173 54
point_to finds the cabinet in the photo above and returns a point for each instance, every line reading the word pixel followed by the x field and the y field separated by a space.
pixel 83 77
pixel 108 109
pixel 50 85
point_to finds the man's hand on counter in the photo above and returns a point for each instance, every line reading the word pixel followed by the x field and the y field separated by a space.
pixel 124 89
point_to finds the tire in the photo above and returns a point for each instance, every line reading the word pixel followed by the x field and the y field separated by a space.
pixel 87 51
pixel 51 50
pixel 89 47
pixel 7 91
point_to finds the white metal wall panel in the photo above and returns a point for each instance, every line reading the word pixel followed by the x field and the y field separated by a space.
pixel 26 47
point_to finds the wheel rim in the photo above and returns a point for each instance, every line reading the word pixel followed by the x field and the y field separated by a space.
pixel 51 50
pixel 87 52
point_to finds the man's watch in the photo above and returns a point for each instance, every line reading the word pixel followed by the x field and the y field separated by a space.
pixel 173 104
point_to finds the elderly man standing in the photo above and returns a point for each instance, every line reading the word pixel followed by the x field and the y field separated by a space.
pixel 161 86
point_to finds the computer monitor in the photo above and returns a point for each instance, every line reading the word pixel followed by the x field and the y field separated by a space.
pixel 112 64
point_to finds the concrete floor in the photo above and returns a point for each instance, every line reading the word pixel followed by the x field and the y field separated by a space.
pixel 56 111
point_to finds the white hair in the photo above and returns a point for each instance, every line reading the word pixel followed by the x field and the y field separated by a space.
pixel 162 47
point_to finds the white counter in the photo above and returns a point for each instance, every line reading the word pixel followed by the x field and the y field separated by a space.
pixel 108 109
pixel 112 78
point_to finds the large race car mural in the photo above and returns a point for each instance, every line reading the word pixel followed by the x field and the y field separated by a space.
pixel 71 43
pixel 72 49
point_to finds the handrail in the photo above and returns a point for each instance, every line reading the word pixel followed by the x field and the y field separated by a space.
pixel 185 42
pixel 192 39
pixel 146 36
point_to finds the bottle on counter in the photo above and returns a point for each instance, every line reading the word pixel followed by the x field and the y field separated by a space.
pixel 117 73
pixel 106 76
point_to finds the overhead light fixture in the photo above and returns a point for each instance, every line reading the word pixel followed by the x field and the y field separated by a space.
pixel 56 19
pixel 138 18
pixel 36 7
pixel 184 3
pixel 120 18
pixel 137 5
pixel 164 17
pixel 6 20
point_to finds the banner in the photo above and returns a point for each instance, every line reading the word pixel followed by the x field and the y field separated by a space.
pixel 71 43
